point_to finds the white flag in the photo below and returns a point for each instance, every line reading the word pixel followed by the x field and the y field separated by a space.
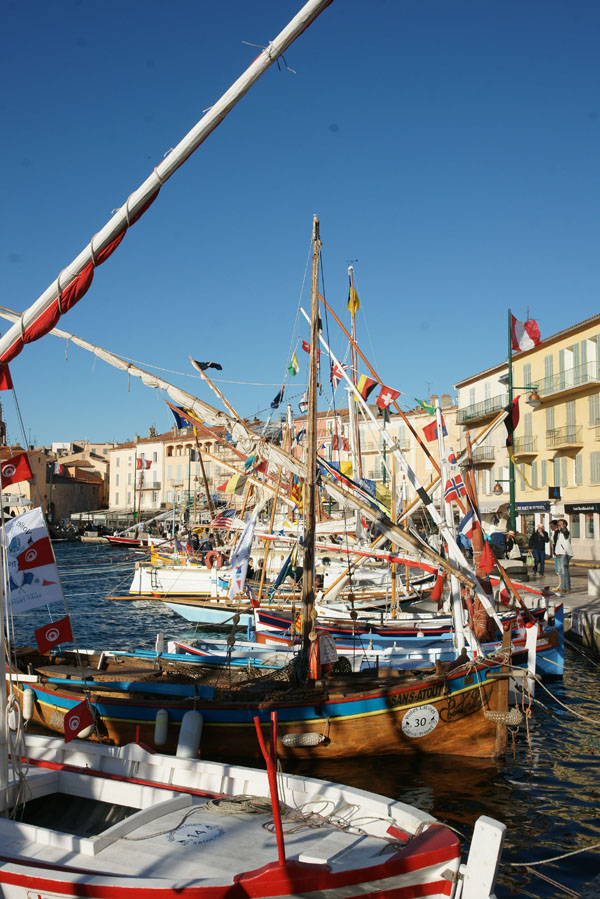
pixel 240 557
pixel 32 574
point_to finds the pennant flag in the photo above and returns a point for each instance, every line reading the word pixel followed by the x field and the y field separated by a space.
pixel 15 469
pixel 37 554
pixel 254 602
pixel 296 492
pixel 337 373
pixel 277 401
pixel 57 468
pixel 431 431
pixel 512 420
pixel 455 487
pixel 386 397
pixel 303 404
pixel 524 335
pixel 204 365
pixel 353 301
pixel 468 525
pixel 487 561
pixel 240 557
pixel 77 719
pixel 300 436
pixel 180 420
pixel 54 633
pixel 427 406
pixel 366 386
pixel 223 519
pixel 294 367
pixel 5 378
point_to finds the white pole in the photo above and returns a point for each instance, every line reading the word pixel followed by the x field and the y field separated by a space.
pixel 12 342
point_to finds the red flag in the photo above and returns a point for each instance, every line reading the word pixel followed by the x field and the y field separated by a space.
pixel 386 397
pixel 37 554
pixel 488 560
pixel 54 633
pixel 524 335
pixel 77 719
pixel 16 469
pixel 431 433
pixel 5 378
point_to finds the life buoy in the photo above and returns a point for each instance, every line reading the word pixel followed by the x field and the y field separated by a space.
pixel 213 558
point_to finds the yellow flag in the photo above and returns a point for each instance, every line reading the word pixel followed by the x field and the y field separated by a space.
pixel 353 301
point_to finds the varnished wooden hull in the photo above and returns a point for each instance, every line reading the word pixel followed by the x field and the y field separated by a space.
pixel 447 714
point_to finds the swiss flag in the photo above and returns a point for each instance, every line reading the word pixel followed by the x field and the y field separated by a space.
pixel 80 717
pixel 37 554
pixel 16 469
pixel 386 397
pixel 5 378
pixel 54 633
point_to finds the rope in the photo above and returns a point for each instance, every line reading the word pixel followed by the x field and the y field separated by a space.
pixel 555 858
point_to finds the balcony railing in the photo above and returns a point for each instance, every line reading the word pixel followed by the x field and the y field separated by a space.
pixel 582 375
pixel 525 446
pixel 484 455
pixel 565 437
pixel 488 407
pixel 145 486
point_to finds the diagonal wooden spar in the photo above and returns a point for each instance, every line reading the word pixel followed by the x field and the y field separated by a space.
pixel 201 412
pixel 75 279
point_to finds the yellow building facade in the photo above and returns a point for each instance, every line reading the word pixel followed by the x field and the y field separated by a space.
pixel 557 441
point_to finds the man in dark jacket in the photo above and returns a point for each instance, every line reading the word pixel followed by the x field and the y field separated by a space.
pixel 537 544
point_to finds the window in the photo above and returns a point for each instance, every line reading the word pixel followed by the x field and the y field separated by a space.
pixel 128 478
pixel 548 372
pixel 550 418
pixel 578 470
pixel 527 374
pixel 595 468
pixel 155 457
pixel 116 499
pixel 105 452
pixel 118 461
pixel 594 409
pixel 563 472
pixel 116 480
pixel 589 525
pixel 544 473
pixel 129 499
pixel 556 467
pixel 169 472
pixel 534 474
pixel 178 475
pixel 575 528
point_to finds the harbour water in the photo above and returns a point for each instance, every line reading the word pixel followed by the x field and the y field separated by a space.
pixel 546 791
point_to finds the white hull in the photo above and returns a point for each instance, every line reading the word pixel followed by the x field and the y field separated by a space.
pixel 172 841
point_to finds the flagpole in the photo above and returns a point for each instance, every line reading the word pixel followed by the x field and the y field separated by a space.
pixel 354 364
pixel 308 577
pixel 512 522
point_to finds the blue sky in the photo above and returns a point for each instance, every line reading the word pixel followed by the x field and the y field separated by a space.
pixel 450 151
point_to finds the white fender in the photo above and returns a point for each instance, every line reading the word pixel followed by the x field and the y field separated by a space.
pixel 161 726
pixel 190 735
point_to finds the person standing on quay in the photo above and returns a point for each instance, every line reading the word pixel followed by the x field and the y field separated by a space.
pixel 564 553
pixel 537 544
pixel 554 530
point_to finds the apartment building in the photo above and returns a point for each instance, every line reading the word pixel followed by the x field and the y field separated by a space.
pixel 557 442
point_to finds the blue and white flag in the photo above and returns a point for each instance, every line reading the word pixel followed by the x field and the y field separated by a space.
pixel 303 404
pixel 240 557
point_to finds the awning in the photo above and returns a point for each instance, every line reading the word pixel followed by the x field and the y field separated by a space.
pixel 573 508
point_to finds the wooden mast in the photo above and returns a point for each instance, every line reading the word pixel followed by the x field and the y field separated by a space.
pixel 310 487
